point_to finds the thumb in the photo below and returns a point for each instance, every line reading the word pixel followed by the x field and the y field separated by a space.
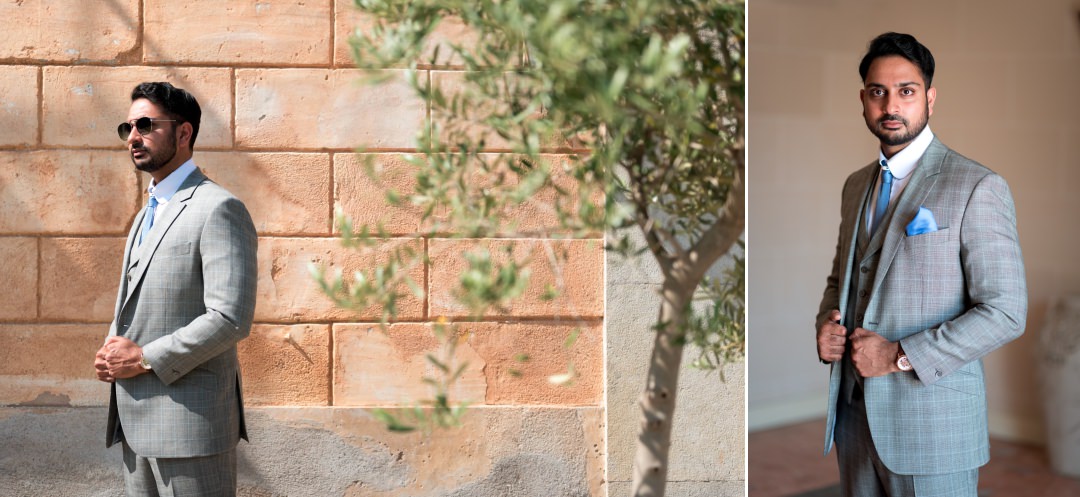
pixel 834 316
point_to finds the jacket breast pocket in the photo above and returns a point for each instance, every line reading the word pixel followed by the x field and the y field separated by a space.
pixel 927 240
pixel 174 250
pixel 930 275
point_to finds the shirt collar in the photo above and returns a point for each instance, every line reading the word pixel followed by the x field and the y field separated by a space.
pixel 164 191
pixel 903 162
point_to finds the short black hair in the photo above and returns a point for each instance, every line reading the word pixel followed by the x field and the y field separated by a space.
pixel 903 45
pixel 176 102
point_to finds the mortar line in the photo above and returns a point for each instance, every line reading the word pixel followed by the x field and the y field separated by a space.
pixel 40 138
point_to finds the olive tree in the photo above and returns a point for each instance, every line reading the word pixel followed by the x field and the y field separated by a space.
pixel 642 101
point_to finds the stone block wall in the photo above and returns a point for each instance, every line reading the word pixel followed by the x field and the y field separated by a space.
pixel 283 114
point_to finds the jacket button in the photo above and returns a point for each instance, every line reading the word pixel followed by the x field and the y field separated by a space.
pixel 862 293
pixel 864 270
pixel 937 373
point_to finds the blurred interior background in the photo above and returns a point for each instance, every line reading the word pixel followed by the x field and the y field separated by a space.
pixel 1008 83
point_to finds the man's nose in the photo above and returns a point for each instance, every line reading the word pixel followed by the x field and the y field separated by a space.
pixel 133 137
pixel 892 104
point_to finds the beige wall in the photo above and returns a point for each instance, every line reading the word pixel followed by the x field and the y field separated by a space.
pixel 1007 78
pixel 283 112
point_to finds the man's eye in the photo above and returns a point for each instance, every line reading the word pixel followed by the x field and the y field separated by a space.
pixel 877 92
pixel 907 92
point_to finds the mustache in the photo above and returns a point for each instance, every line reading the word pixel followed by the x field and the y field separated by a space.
pixel 892 117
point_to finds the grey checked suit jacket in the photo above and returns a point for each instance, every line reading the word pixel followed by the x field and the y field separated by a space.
pixel 949 297
pixel 187 296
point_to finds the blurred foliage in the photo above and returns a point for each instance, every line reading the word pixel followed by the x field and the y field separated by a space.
pixel 438 412
pixel 565 119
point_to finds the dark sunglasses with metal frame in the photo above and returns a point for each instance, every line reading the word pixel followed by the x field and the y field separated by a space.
pixel 143 124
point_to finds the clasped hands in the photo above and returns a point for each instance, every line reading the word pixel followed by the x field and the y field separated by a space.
pixel 871 354
pixel 118 358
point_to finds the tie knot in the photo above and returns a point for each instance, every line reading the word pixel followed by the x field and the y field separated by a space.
pixel 153 201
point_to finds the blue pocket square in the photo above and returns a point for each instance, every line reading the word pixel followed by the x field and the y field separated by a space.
pixel 923 223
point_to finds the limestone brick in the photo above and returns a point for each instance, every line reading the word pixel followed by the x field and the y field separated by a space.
pixel 286 365
pixel 363 198
pixel 62 31
pixel 288 293
pixel 51 365
pixel 351 22
pixel 573 268
pixel 18 105
pixel 286 193
pixel 467 122
pixel 374 366
pixel 285 32
pixel 521 360
pixel 83 104
pixel 539 214
pixel 80 278
pixel 505 363
pixel 325 109
pixel 67 191
pixel 19 265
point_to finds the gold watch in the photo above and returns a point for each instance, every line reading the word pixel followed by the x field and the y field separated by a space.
pixel 145 364
pixel 902 362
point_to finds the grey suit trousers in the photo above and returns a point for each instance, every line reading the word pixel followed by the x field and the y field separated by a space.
pixel 862 474
pixel 207 476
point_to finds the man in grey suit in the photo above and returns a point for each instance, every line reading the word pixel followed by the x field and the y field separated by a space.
pixel 187 296
pixel 928 278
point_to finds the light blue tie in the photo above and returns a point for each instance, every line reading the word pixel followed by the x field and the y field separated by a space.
pixel 148 219
pixel 883 198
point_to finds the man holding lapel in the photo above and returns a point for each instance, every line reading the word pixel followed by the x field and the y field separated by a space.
pixel 187 296
pixel 928 278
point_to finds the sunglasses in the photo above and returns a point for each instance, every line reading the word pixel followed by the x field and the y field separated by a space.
pixel 143 124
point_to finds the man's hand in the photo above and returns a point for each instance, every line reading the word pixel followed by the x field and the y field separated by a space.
pixel 872 354
pixel 101 366
pixel 831 338
pixel 122 357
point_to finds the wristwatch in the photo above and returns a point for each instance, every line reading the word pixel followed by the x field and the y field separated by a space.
pixel 145 364
pixel 902 362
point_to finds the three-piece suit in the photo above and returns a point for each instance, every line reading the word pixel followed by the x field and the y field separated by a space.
pixel 948 296
pixel 187 296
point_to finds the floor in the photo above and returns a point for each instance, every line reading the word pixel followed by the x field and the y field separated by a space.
pixel 788 462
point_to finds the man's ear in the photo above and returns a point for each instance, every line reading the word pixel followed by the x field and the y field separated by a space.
pixel 931 96
pixel 184 134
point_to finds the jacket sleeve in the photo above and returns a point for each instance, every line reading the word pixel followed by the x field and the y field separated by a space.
pixel 996 291
pixel 228 249
pixel 830 298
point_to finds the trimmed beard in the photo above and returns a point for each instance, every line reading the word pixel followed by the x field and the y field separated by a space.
pixel 157 160
pixel 892 139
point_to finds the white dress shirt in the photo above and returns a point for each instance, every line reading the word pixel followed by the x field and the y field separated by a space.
pixel 901 165
pixel 165 190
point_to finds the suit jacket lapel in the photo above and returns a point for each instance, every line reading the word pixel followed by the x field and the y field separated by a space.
pixel 923 179
pixel 172 211
pixel 860 195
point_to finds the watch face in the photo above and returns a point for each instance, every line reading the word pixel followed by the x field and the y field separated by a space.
pixel 903 363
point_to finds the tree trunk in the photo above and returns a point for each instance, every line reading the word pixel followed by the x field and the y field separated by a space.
pixel 658 399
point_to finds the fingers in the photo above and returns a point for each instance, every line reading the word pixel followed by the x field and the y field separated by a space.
pixel 101 368
pixel 831 338
pixel 863 333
